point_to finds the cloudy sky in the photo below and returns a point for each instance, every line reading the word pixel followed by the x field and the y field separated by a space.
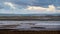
pixel 29 6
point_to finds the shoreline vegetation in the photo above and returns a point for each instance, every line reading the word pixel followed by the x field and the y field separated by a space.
pixel 37 18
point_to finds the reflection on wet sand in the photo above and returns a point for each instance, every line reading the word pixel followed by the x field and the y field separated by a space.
pixel 30 25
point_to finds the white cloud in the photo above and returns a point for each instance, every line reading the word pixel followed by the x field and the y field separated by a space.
pixel 35 8
pixel 10 4
pixel 50 8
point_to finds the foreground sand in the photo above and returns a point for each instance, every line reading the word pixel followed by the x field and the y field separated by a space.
pixel 28 32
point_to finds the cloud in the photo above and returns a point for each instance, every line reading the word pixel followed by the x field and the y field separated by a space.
pixel 51 8
pixel 41 3
pixel 29 7
pixel 38 8
pixel 10 4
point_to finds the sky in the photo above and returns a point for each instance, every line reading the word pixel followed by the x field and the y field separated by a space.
pixel 29 6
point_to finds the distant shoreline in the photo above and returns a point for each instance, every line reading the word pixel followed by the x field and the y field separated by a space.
pixel 28 18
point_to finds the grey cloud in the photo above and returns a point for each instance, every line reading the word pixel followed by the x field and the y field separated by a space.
pixel 25 3
pixel 42 3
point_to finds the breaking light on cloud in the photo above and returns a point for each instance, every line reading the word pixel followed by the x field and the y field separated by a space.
pixel 50 8
pixel 10 4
